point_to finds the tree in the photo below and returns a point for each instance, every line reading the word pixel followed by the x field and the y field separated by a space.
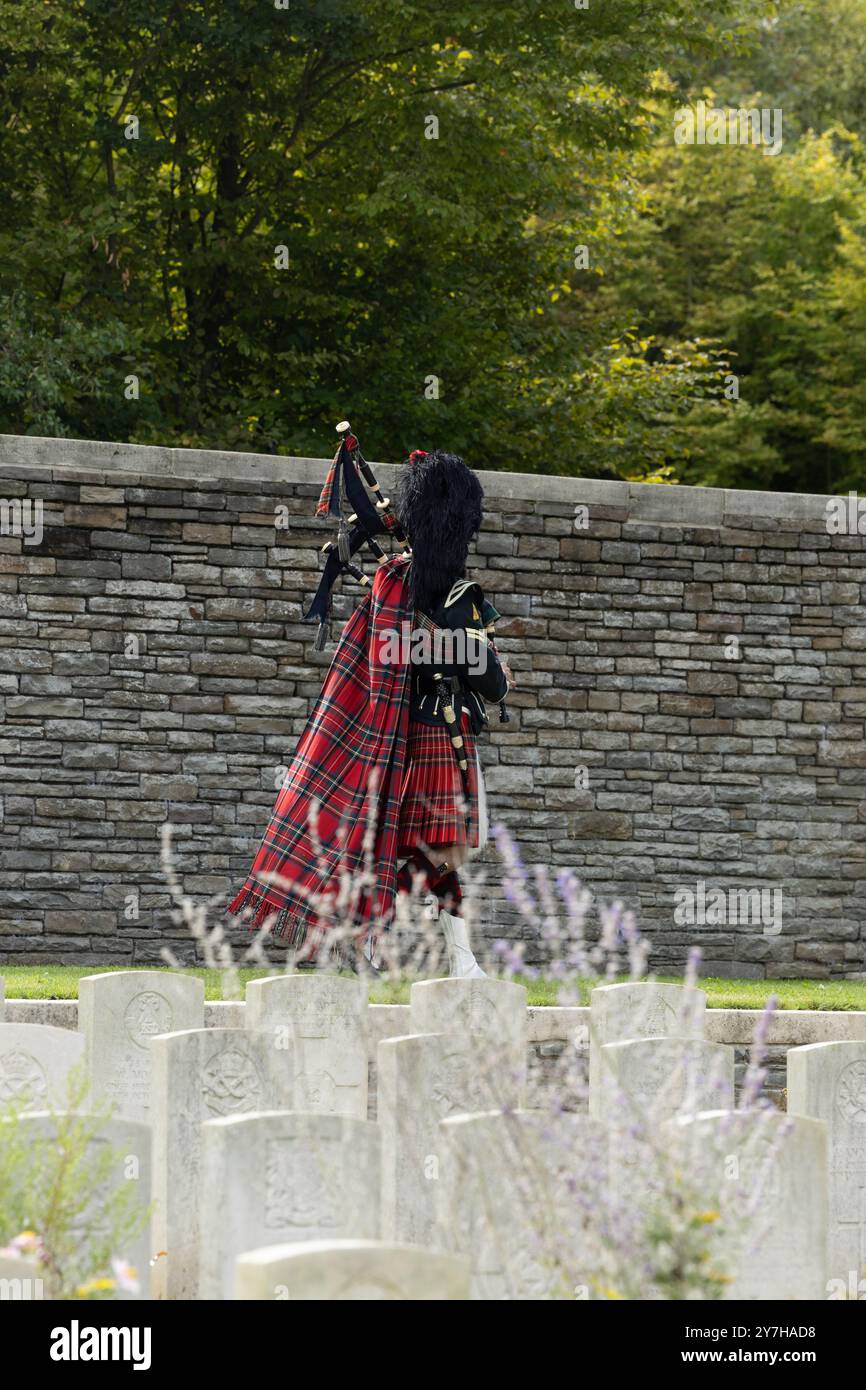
pixel 278 215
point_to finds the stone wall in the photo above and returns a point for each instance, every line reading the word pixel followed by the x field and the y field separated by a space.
pixel 690 710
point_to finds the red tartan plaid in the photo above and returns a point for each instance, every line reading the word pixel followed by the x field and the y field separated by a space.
pixel 433 796
pixel 350 760
pixel 323 506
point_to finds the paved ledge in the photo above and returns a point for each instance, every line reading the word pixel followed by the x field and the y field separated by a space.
pixel 59 1013
pixel 90 460
pixel 788 1027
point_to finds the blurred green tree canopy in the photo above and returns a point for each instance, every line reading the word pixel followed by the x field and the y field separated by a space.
pixel 229 226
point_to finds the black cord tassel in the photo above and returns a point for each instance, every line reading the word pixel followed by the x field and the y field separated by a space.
pixel 322 635
pixel 504 716
pixel 343 550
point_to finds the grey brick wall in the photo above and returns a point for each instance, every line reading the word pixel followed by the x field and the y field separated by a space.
pixel 153 665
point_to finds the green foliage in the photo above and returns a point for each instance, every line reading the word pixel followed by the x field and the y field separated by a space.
pixel 157 158
pixel 61 1196
pixel 409 258
pixel 763 254
pixel 681 1239
pixel 55 367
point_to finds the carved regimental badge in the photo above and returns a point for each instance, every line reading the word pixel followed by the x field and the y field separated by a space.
pixel 231 1084
pixel 146 1015
pixel 851 1092
pixel 22 1079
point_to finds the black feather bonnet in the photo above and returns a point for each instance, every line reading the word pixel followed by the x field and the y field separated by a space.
pixel 438 502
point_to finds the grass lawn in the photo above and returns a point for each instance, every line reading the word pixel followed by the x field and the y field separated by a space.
pixel 61 982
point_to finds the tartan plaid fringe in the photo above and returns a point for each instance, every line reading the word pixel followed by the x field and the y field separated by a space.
pixel 254 907
pixel 323 507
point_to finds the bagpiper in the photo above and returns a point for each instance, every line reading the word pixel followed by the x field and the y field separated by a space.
pixel 385 789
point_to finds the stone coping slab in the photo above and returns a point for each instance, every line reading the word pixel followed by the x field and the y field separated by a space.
pixel 88 460
pixel 546 1023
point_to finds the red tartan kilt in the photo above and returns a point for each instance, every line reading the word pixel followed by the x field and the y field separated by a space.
pixel 433 797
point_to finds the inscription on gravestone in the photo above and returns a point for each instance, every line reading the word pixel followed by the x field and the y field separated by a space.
pixel 325 1018
pixel 294 1194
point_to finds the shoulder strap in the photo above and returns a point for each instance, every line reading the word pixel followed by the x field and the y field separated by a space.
pixel 458 590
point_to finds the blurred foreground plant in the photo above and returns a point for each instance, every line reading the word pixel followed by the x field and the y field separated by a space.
pixel 58 1204
pixel 646 1225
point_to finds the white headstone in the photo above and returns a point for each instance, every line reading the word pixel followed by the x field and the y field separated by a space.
pixel 326 1018
pixel 202 1074
pixel 423 1079
pixel 828 1082
pixel 329 1270
pixel 765 1173
pixel 36 1061
pixel 119 1013
pixel 270 1178
pixel 492 1010
pixel 643 1009
pixel 645 1082
pixel 128 1145
pixel 665 1077
pixel 516 1195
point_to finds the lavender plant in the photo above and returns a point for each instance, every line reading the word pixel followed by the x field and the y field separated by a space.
pixel 654 1211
